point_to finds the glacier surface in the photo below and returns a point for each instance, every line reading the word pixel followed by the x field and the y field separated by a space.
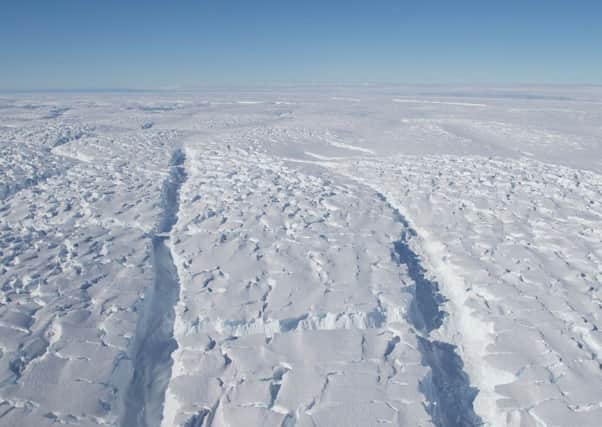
pixel 302 256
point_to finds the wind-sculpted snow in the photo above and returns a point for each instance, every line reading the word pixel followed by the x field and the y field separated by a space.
pixel 24 163
pixel 344 256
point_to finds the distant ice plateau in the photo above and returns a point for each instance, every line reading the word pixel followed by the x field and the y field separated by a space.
pixel 302 256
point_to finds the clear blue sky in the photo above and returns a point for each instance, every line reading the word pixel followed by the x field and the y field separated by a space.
pixel 67 44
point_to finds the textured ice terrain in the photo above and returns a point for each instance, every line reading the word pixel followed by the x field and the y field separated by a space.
pixel 302 257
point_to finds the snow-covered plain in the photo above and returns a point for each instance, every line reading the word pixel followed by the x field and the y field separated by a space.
pixel 305 256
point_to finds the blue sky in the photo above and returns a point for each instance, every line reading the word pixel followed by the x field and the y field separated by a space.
pixel 94 44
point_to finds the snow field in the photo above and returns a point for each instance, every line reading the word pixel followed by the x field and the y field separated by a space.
pixel 301 256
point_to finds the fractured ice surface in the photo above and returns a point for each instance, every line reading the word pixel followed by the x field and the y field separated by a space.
pixel 302 256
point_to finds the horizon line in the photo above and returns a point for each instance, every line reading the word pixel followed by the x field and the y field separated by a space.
pixel 306 84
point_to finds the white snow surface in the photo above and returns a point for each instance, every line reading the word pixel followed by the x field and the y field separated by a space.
pixel 302 256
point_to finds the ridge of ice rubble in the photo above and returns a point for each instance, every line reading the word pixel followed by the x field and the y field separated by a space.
pixel 301 257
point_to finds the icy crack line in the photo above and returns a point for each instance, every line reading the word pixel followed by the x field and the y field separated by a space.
pixel 447 387
pixel 154 340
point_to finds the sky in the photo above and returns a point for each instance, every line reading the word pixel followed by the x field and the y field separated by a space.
pixel 103 44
